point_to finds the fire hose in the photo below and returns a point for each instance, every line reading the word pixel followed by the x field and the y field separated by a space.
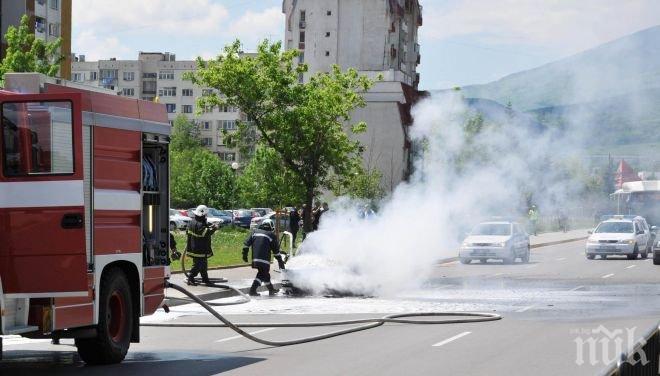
pixel 401 318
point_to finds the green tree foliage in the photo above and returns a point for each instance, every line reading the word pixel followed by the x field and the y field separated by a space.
pixel 185 134
pixel 363 184
pixel 200 177
pixel 26 53
pixel 303 123
pixel 197 175
pixel 266 182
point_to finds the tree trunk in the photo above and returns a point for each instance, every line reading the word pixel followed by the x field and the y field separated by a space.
pixel 307 214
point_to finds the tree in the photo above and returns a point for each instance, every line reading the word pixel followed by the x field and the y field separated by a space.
pixel 185 134
pixel 363 184
pixel 266 182
pixel 200 177
pixel 302 122
pixel 26 53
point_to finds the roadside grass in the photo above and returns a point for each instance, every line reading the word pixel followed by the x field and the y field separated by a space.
pixel 227 244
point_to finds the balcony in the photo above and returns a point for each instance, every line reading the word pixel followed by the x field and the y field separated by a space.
pixel 301 45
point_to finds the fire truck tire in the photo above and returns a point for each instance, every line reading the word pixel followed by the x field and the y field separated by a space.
pixel 115 322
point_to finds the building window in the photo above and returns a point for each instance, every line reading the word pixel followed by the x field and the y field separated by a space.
pixel 171 108
pixel 78 77
pixel 229 125
pixel 149 87
pixel 227 157
pixel 301 38
pixel 302 16
pixel 328 13
pixel 128 92
pixel 206 125
pixel 301 78
pixel 327 34
pixel 327 53
pixel 207 141
pixel 40 25
pixel 301 57
pixel 129 76
pixel 54 4
pixel 93 76
pixel 167 92
pixel 207 92
pixel 54 29
pixel 166 75
pixel 187 92
pixel 149 75
pixel 187 109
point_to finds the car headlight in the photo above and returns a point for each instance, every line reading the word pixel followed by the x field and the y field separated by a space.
pixel 500 244
pixel 466 244
pixel 627 241
pixel 592 242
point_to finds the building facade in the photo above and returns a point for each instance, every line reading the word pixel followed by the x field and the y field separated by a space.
pixel 159 75
pixel 378 38
pixel 49 20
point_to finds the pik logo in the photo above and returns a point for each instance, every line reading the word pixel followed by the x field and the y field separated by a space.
pixel 604 346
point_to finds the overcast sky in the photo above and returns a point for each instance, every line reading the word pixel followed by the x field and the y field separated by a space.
pixel 462 41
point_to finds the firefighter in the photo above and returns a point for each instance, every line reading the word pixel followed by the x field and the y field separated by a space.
pixel 199 245
pixel 263 241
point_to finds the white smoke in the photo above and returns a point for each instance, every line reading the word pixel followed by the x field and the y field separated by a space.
pixel 458 181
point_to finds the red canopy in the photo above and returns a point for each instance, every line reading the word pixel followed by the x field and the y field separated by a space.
pixel 624 174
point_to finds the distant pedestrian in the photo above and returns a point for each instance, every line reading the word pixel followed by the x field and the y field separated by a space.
pixel 533 216
pixel 316 216
pixel 305 219
pixel 294 224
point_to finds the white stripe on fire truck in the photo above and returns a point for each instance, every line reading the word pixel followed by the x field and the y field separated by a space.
pixel 115 199
pixel 41 194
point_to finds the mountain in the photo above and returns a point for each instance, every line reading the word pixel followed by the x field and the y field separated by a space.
pixel 627 65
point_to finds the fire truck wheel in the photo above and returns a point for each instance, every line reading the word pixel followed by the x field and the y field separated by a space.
pixel 115 322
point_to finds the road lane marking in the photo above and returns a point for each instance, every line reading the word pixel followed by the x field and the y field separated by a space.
pixel 525 309
pixel 451 339
pixel 607 275
pixel 561 259
pixel 252 333
pixel 630 267
pixel 497 274
pixel 576 288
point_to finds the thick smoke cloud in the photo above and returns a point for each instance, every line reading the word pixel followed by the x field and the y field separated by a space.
pixel 466 170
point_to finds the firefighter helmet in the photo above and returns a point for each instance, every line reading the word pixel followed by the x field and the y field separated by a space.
pixel 201 211
pixel 267 225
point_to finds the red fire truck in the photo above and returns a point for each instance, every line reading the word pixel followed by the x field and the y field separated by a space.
pixel 84 205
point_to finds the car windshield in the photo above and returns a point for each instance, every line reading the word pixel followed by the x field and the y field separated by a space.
pixel 615 228
pixel 244 213
pixel 215 212
pixel 492 229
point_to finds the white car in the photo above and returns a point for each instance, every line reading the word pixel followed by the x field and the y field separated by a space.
pixel 619 235
pixel 178 221
pixel 505 241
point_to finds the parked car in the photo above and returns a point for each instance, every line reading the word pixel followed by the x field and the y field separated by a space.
pixel 243 217
pixel 178 221
pixel 503 240
pixel 226 216
pixel 619 235
pixel 284 220
pixel 262 211
pixel 209 218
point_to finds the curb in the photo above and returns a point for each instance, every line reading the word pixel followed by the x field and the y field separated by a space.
pixel 213 295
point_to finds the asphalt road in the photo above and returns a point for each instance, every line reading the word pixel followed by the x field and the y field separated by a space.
pixel 552 308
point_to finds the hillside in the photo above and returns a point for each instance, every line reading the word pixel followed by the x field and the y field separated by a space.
pixel 627 65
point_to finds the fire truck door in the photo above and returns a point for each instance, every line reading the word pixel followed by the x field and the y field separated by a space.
pixel 42 251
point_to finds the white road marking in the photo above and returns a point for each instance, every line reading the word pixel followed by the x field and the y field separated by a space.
pixel 239 336
pixel 561 259
pixel 576 288
pixel 525 309
pixel 497 274
pixel 630 267
pixel 451 339
pixel 607 275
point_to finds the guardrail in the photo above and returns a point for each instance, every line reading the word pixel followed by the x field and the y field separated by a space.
pixel 643 359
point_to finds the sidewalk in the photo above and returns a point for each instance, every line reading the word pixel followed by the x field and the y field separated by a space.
pixel 242 277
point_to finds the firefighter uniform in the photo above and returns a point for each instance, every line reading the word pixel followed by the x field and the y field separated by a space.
pixel 199 247
pixel 263 242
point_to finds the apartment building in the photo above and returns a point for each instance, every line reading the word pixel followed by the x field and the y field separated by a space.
pixel 158 74
pixel 49 20
pixel 378 38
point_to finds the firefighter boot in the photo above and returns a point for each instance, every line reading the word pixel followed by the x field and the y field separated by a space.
pixel 271 289
pixel 253 289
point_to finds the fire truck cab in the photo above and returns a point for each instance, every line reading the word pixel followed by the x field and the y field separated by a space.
pixel 84 200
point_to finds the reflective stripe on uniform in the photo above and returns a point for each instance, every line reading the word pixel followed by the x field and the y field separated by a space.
pixel 262 236
pixel 258 280
pixel 193 254
pixel 197 236
pixel 261 261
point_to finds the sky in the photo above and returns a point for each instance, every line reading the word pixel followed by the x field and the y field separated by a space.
pixel 462 41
